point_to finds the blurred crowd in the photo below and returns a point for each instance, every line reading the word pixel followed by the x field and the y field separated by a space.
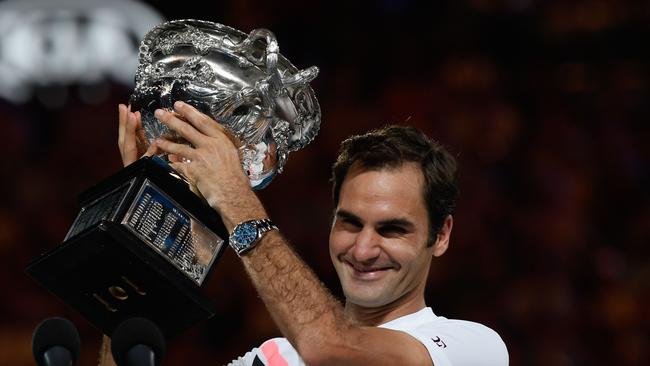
pixel 544 103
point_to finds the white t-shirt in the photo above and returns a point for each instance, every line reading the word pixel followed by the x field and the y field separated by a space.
pixel 450 342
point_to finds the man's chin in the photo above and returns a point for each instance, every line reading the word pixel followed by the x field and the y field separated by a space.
pixel 365 300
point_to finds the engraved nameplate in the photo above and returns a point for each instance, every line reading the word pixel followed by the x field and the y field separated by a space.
pixel 173 232
pixel 103 208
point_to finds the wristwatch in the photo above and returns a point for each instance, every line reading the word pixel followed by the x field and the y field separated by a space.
pixel 246 234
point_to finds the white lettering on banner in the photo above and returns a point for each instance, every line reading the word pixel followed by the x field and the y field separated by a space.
pixel 62 42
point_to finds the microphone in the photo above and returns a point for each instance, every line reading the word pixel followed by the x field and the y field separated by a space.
pixel 56 343
pixel 136 342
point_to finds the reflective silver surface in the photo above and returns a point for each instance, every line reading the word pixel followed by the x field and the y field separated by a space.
pixel 240 80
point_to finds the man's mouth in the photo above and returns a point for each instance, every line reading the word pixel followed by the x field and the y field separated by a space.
pixel 368 272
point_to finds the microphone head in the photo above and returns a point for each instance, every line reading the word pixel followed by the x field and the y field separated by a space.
pixel 55 332
pixel 133 332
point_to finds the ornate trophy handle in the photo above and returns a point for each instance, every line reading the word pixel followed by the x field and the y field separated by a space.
pixel 301 77
pixel 272 86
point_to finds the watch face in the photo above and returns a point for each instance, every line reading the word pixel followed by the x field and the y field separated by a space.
pixel 245 233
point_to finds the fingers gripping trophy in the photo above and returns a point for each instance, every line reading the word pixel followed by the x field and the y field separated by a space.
pixel 143 242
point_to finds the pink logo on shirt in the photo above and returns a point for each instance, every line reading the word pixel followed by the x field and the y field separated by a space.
pixel 272 354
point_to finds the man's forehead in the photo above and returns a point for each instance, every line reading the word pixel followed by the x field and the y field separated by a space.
pixel 383 192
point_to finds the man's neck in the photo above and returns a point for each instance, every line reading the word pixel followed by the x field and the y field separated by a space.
pixel 374 316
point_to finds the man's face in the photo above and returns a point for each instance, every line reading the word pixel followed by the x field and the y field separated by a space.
pixel 379 235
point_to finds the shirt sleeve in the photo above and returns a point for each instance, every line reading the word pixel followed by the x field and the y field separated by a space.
pixel 462 343
pixel 249 359
pixel 274 352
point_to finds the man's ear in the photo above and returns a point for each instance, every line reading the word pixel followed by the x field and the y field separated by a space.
pixel 442 239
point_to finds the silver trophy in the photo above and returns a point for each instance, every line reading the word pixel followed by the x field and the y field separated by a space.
pixel 241 81
pixel 143 243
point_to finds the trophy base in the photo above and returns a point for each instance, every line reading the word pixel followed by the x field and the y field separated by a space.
pixel 110 269
pixel 109 277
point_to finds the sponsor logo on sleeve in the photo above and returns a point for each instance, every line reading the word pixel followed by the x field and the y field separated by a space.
pixel 439 342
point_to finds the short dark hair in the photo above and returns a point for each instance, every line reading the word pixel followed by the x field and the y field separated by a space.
pixel 392 146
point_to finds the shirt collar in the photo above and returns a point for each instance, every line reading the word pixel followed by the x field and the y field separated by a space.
pixel 413 319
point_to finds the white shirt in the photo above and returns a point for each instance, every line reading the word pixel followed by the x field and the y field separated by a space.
pixel 450 342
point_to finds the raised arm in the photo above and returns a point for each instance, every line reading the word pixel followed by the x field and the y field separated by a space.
pixel 304 310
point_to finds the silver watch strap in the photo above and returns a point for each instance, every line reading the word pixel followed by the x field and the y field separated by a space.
pixel 264 226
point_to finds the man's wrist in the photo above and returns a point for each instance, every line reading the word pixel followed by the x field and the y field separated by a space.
pixel 231 220
pixel 246 235
pixel 246 207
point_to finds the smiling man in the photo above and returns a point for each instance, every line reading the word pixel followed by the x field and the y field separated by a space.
pixel 394 191
pixel 378 241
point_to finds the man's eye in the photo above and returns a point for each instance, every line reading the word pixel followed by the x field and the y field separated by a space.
pixel 389 231
pixel 350 224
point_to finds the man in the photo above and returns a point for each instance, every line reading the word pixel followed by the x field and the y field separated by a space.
pixel 394 193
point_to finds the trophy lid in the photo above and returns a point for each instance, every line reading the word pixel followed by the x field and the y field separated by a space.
pixel 240 80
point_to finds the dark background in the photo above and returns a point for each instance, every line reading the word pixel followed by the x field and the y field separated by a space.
pixel 544 103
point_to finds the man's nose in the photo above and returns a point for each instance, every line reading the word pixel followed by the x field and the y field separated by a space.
pixel 366 246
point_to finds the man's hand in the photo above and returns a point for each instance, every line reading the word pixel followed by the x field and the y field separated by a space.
pixel 131 140
pixel 211 164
